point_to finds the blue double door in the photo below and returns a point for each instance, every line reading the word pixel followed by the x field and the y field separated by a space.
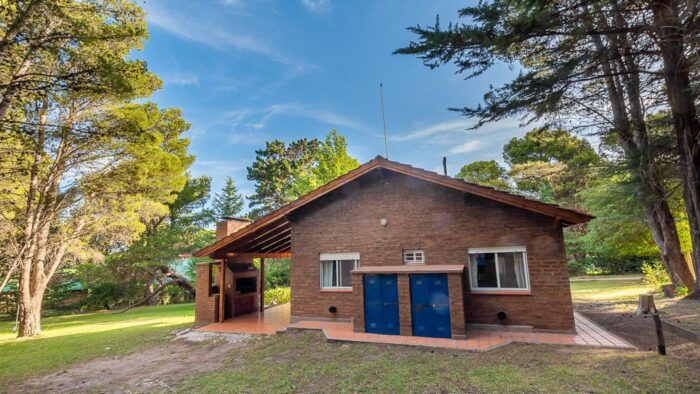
pixel 430 306
pixel 381 304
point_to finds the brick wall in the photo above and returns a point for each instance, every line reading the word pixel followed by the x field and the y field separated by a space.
pixel 205 306
pixel 444 223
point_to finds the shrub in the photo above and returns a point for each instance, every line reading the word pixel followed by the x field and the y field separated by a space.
pixel 577 268
pixel 681 291
pixel 277 296
pixel 655 274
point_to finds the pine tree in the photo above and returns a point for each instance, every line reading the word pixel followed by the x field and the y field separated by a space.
pixel 229 202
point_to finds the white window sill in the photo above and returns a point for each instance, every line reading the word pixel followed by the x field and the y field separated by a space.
pixel 501 291
pixel 336 290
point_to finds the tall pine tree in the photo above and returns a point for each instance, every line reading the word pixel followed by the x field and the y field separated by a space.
pixel 229 202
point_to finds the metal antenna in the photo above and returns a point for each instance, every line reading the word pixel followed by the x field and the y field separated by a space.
pixel 381 97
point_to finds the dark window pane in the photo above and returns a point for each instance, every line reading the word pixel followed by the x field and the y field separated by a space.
pixel 486 270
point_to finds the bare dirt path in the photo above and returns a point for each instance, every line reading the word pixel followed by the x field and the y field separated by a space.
pixel 156 369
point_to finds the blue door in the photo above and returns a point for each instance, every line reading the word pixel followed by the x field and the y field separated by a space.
pixel 381 304
pixel 430 306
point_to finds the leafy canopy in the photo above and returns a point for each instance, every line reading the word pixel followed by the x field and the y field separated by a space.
pixel 283 173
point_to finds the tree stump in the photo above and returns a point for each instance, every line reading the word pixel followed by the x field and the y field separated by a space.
pixel 646 305
pixel 669 290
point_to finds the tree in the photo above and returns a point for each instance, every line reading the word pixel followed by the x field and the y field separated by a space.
pixel 89 162
pixel 283 173
pixel 487 173
pixel 133 273
pixel 675 30
pixel 590 64
pixel 35 31
pixel 228 203
pixel 551 163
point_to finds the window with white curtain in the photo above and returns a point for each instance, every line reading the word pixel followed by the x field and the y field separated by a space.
pixel 503 268
pixel 335 269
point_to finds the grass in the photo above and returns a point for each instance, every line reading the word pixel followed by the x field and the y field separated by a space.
pixel 609 290
pixel 305 362
pixel 71 339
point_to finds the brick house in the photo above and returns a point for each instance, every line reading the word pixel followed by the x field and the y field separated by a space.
pixel 399 250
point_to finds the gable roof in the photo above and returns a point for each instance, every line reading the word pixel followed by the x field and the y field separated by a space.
pixel 268 231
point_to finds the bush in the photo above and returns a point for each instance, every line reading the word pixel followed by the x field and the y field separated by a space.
pixel 655 274
pixel 578 268
pixel 277 296
pixel 681 291
pixel 276 273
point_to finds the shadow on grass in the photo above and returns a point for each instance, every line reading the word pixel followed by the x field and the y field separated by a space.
pixel 20 358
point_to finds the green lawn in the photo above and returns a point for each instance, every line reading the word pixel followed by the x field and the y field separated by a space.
pixel 609 290
pixel 306 363
pixel 72 338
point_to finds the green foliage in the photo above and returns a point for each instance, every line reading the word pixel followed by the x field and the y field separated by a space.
pixel 277 273
pixel 655 274
pixel 681 291
pixel 578 268
pixel 283 173
pixel 619 231
pixel 278 296
pixel 550 163
pixel 487 173
pixel 228 203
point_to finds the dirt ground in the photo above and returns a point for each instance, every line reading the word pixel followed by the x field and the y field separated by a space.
pixel 640 330
pixel 156 369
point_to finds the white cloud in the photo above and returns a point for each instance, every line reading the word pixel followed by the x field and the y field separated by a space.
pixel 468 146
pixel 204 30
pixel 317 6
pixel 258 118
pixel 455 126
pixel 181 79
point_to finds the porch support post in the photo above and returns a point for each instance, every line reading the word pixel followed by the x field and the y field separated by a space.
pixel 262 284
pixel 222 295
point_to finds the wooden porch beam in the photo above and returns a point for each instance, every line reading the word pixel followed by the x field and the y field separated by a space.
pixel 282 255
pixel 222 296
pixel 262 284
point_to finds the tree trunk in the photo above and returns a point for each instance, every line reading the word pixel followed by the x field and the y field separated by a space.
pixel 29 301
pixel 670 30
pixel 651 193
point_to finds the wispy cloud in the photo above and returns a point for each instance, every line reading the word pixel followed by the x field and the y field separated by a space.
pixel 213 34
pixel 317 6
pixel 455 126
pixel 258 118
pixel 181 79
pixel 468 146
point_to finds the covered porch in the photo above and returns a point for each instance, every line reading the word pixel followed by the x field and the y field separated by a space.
pixel 268 322
pixel 232 286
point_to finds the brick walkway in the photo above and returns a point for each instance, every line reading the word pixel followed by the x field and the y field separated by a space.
pixel 276 319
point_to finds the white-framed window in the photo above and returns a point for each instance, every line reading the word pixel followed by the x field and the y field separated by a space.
pixel 335 269
pixel 502 268
pixel 413 256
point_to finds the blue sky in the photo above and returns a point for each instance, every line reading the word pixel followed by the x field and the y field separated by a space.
pixel 246 72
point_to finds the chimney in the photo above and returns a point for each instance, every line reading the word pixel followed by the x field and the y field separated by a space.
pixel 230 225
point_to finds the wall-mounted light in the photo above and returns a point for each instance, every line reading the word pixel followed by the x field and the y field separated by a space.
pixel 383 221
